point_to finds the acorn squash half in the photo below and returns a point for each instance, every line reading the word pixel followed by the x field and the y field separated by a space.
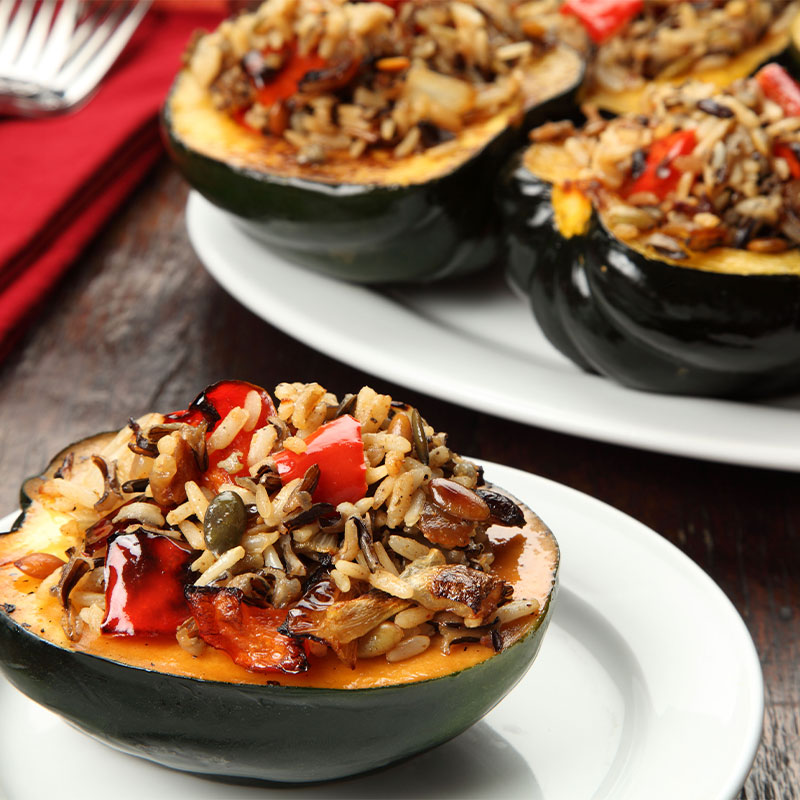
pixel 773 45
pixel 375 219
pixel 207 715
pixel 725 322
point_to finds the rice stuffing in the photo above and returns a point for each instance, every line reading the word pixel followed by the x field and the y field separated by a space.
pixel 698 168
pixel 667 40
pixel 296 554
pixel 336 79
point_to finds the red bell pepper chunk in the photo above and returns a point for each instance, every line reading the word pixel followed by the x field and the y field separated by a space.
pixel 659 176
pixel 603 18
pixel 780 87
pixel 145 576
pixel 248 634
pixel 339 451
pixel 216 400
pixel 213 404
pixel 287 80
pixel 785 152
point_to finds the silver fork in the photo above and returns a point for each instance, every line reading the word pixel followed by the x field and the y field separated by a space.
pixel 52 55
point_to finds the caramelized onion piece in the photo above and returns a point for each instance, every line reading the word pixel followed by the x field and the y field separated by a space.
pixel 323 616
pixel 171 472
pixel 440 528
pixel 470 593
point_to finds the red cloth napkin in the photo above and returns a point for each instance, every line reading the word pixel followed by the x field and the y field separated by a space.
pixel 62 178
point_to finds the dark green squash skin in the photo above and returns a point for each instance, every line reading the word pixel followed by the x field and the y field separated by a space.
pixel 790 57
pixel 370 233
pixel 275 733
pixel 645 323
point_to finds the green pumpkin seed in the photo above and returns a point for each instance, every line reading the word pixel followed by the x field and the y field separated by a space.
pixel 224 522
pixel 420 439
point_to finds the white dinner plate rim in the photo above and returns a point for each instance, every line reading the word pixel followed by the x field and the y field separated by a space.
pixel 661 554
pixel 727 431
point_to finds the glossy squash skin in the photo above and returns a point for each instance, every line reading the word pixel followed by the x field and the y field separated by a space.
pixel 283 733
pixel 421 218
pixel 791 58
pixel 626 101
pixel 725 323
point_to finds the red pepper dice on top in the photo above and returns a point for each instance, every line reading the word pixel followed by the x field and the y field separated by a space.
pixel 603 18
pixel 147 574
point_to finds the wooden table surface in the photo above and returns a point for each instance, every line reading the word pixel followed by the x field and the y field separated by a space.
pixel 138 325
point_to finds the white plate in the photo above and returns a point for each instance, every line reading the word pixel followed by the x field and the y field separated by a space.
pixel 647 686
pixel 476 344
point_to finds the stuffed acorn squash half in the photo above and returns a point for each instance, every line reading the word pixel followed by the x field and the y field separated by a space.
pixel 294 594
pixel 361 139
pixel 632 44
pixel 661 250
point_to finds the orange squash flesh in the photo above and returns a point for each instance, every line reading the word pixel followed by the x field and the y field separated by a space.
pixel 526 558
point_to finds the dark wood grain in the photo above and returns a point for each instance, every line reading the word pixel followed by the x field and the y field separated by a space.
pixel 138 325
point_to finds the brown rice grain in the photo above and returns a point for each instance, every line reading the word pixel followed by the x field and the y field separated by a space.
pixel 412 617
pixel 295 444
pixel 380 640
pixel 408 548
pixel 341 580
pixel 252 405
pixel 147 513
pixel 192 533
pixel 409 648
pixel 391 584
pixel 227 560
pixel 227 430
pixel 271 558
pixel 516 609
pixel 197 498
pixel 385 559
pixel 350 546
pixel 354 570
pixel 203 562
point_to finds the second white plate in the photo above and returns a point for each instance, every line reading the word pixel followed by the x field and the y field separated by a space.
pixel 476 344
pixel 647 686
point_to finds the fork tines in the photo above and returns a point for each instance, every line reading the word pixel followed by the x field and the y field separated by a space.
pixel 53 53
